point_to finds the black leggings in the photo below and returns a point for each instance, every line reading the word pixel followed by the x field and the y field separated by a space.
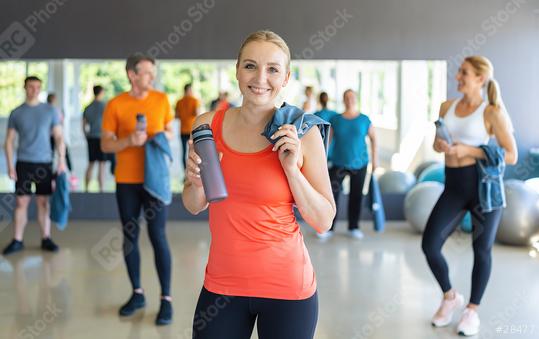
pixel 357 180
pixel 461 195
pixel 131 198
pixel 219 316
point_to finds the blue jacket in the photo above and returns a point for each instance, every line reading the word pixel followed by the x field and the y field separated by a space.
pixel 293 115
pixel 491 170
pixel 156 171
pixel 60 204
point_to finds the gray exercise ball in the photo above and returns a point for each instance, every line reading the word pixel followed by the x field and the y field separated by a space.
pixel 396 182
pixel 423 167
pixel 533 183
pixel 520 219
pixel 419 202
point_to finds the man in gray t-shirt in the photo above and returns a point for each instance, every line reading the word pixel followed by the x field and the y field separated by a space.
pixel 91 125
pixel 33 123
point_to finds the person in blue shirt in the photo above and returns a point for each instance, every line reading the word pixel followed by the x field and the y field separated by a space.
pixel 350 157
pixel 325 114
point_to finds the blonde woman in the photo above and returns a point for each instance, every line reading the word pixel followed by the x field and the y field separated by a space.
pixel 471 121
pixel 259 268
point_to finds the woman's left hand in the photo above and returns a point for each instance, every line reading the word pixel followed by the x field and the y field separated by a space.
pixel 289 147
pixel 459 150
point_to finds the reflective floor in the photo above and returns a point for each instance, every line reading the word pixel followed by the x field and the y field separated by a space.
pixel 378 287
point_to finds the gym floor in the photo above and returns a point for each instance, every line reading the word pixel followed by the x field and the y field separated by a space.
pixel 379 287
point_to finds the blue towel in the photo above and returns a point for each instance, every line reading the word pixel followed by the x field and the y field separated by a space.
pixel 156 171
pixel 376 205
pixel 491 170
pixel 293 115
pixel 60 204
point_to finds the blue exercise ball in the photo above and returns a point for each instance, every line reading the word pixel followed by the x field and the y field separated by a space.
pixel 423 167
pixel 419 202
pixel 435 172
pixel 519 225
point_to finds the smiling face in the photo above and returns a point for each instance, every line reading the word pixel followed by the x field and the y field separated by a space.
pixel 144 76
pixel 262 71
pixel 468 81
pixel 32 89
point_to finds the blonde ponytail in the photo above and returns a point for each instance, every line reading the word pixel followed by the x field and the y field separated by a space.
pixel 493 93
pixel 483 66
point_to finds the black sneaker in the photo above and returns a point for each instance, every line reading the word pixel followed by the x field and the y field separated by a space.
pixel 14 246
pixel 48 245
pixel 134 303
pixel 164 317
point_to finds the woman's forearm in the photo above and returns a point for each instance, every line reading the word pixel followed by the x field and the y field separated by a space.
pixel 315 209
pixel 194 198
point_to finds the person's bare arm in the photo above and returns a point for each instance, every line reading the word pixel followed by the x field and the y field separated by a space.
pixel 111 144
pixel 310 185
pixel 8 150
pixel 503 134
pixel 169 130
pixel 193 196
pixel 58 136
pixel 441 146
pixel 84 125
pixel 374 149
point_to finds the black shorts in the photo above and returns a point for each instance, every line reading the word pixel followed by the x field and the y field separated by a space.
pixel 94 151
pixel 39 174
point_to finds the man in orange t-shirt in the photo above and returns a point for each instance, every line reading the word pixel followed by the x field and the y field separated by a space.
pixel 187 108
pixel 124 135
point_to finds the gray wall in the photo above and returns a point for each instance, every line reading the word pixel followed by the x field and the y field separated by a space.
pixel 505 31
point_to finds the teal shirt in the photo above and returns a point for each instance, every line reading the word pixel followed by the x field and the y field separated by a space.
pixel 350 148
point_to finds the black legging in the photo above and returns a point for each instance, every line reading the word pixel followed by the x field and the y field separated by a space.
pixel 184 138
pixel 461 195
pixel 131 199
pixel 220 316
pixel 357 180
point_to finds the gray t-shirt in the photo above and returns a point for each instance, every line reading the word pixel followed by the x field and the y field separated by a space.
pixel 33 125
pixel 94 116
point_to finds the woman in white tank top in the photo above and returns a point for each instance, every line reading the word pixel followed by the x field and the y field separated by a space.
pixel 471 122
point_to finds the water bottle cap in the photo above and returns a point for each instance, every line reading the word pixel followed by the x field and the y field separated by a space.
pixel 202 132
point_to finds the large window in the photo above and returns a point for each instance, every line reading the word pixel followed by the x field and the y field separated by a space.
pixel 379 85
pixel 12 74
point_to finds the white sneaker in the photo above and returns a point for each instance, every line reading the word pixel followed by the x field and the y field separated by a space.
pixel 356 234
pixel 325 235
pixel 469 323
pixel 444 315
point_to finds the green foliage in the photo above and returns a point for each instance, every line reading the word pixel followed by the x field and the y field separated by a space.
pixel 12 74
pixel 109 74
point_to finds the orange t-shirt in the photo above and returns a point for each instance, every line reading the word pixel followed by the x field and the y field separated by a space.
pixel 119 118
pixel 257 248
pixel 186 111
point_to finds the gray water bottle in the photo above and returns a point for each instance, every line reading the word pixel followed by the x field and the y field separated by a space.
pixel 211 174
pixel 141 122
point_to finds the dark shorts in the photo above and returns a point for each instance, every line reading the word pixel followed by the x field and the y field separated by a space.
pixel 29 173
pixel 94 151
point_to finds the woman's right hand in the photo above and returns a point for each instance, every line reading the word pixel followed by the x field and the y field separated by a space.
pixel 192 170
pixel 441 145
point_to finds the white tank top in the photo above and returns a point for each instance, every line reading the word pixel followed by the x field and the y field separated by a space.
pixel 469 130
